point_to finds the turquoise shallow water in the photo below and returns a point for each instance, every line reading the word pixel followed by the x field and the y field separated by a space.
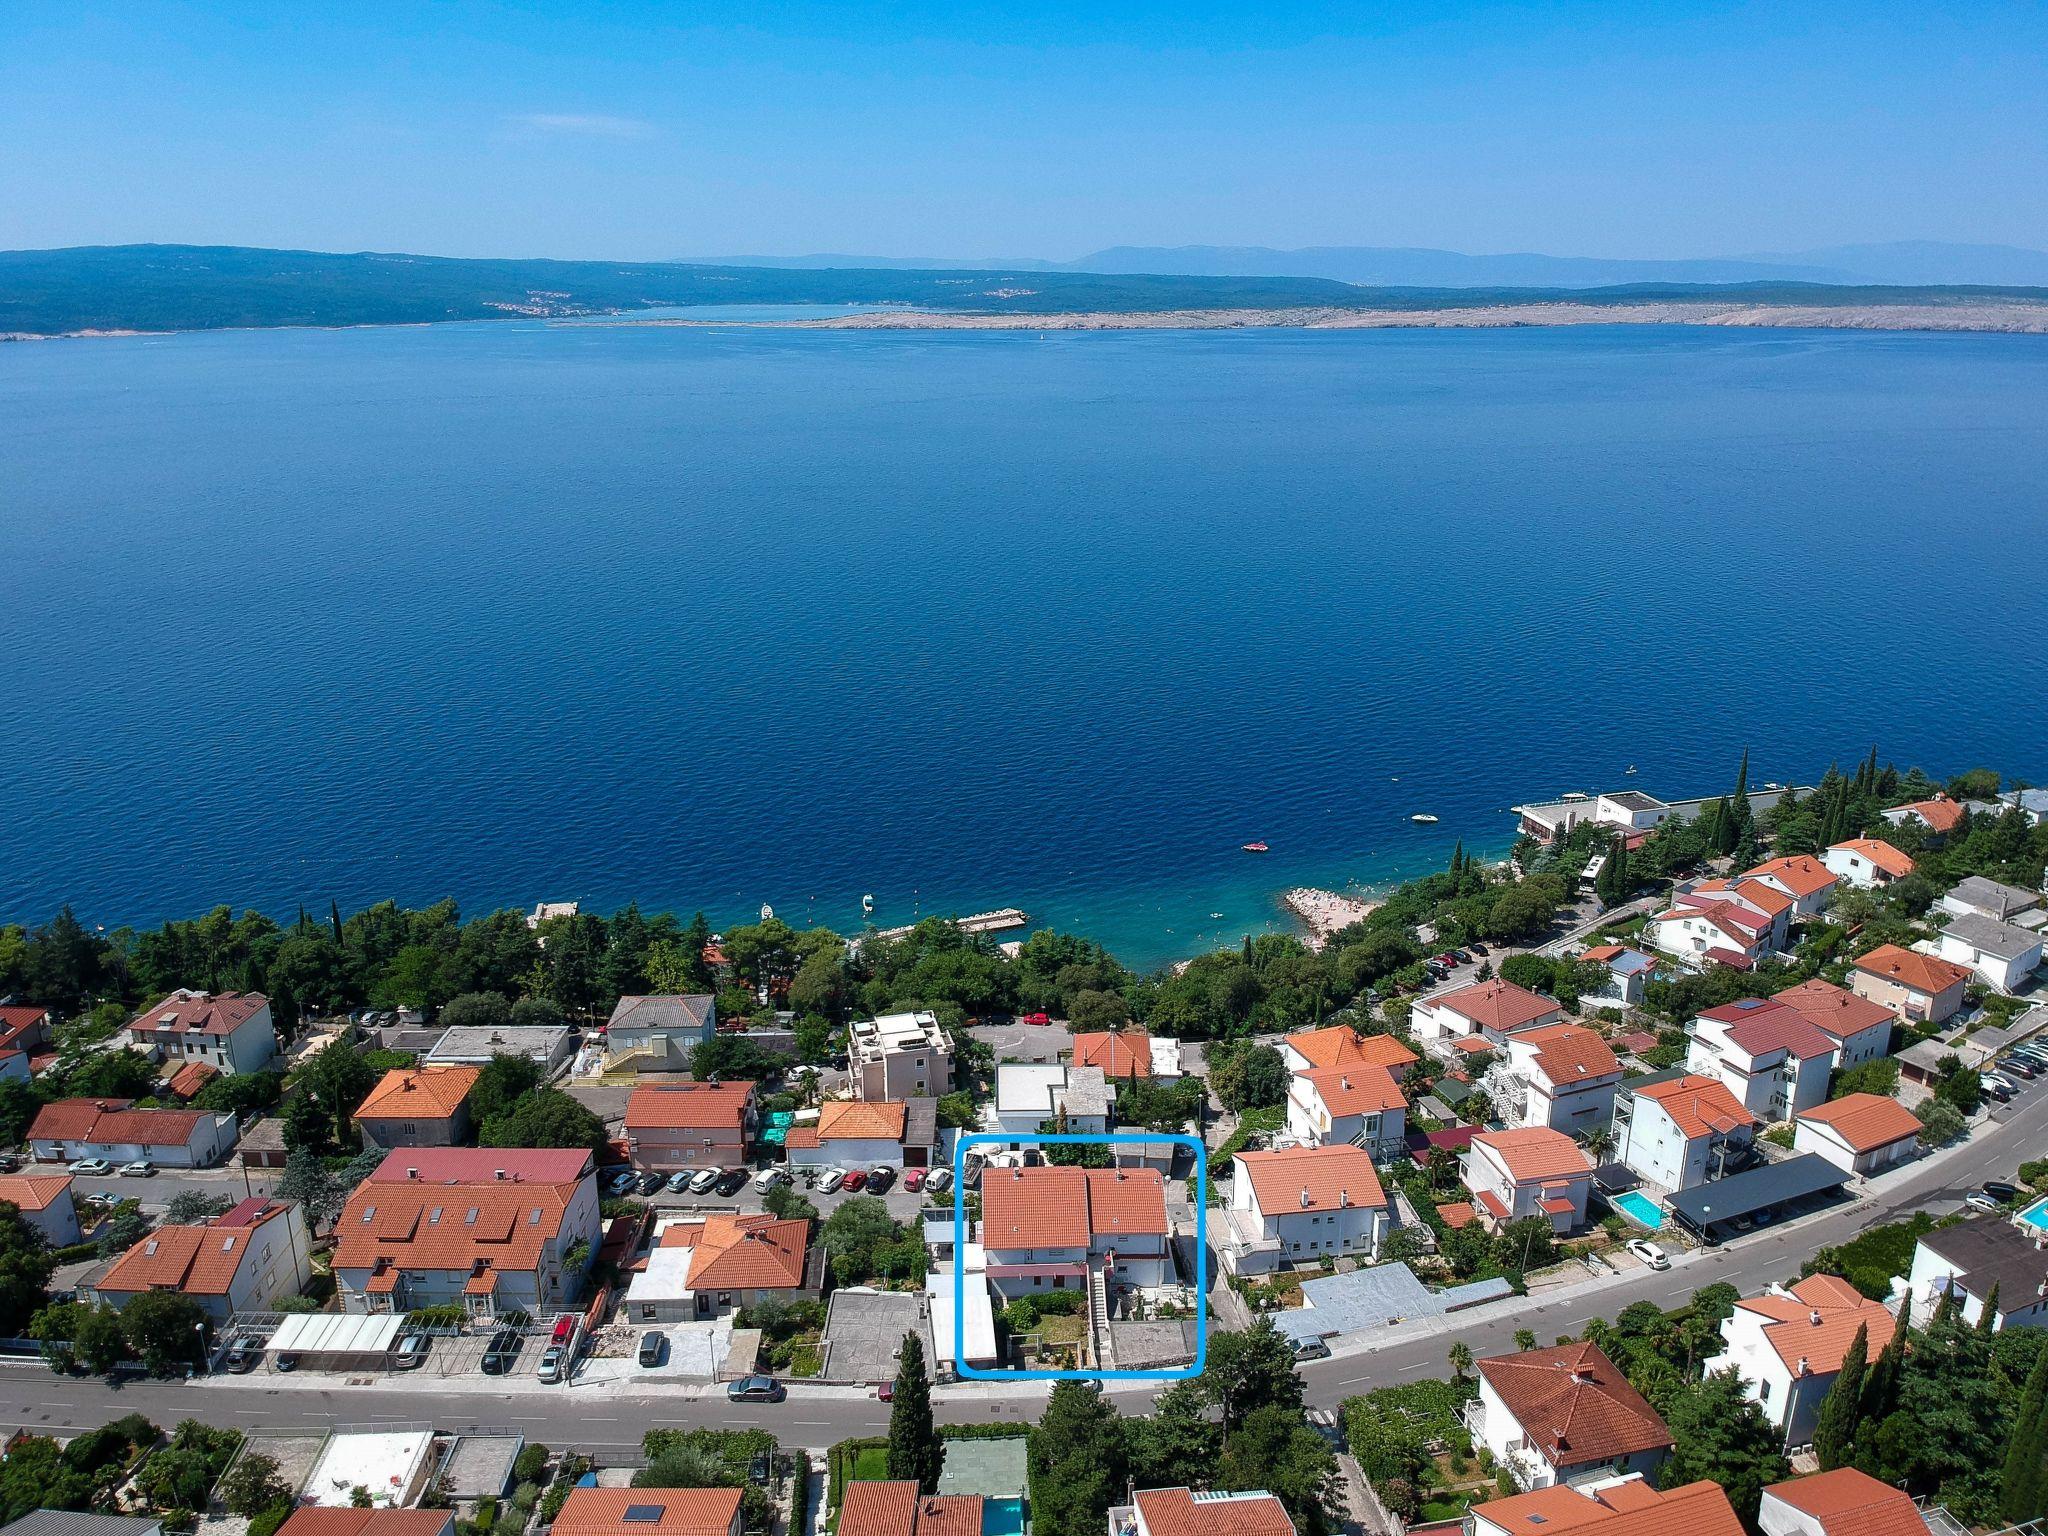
pixel 1641 1207
pixel 713 617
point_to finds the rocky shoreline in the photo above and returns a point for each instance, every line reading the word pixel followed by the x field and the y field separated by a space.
pixel 1324 913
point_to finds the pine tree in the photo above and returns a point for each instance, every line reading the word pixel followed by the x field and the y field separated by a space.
pixel 915 1450
pixel 2023 1481
pixel 1834 1433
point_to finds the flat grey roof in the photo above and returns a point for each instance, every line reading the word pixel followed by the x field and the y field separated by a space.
pixel 1744 1194
pixel 2001 901
pixel 1989 1251
pixel 480 1042
pixel 1634 800
pixel 1992 936
pixel 480 1466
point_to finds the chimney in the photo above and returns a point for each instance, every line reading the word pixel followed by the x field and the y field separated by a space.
pixel 1814 1317
pixel 1304 1197
pixel 1802 1369
pixel 1344 1199
pixel 412 1173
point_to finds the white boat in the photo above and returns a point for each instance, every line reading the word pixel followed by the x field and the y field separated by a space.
pixel 1423 816
pixel 766 911
pixel 867 906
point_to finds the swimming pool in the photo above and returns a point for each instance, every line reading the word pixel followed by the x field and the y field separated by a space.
pixel 1641 1209
pixel 2036 1215
pixel 1002 1517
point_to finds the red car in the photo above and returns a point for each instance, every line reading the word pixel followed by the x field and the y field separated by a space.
pixel 913 1179
pixel 856 1179
pixel 1037 1018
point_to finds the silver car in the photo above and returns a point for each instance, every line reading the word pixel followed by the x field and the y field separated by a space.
pixel 678 1182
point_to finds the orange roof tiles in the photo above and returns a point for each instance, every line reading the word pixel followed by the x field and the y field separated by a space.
pixel 1847 1502
pixel 419 1093
pixel 1573 1405
pixel 190 1078
pixel 898 1509
pixel 1457 1213
pixel 683 1512
pixel 1835 1011
pixel 1699 1106
pixel 1570 1053
pixel 1051 1207
pixel 1866 1121
pixel 312 1520
pixel 111 1122
pixel 736 1253
pixel 33 1191
pixel 1342 1046
pixel 1312 1179
pixel 1941 813
pixel 1631 1508
pixel 1883 855
pixel 855 1120
pixel 689 1106
pixel 1496 1005
pixel 196 1260
pixel 1818 1321
pixel 1177 1512
pixel 1800 873
pixel 1914 971
pixel 1121 1055
pixel 199 1013
pixel 1359 1090
pixel 1534 1153
pixel 1766 899
pixel 457 1222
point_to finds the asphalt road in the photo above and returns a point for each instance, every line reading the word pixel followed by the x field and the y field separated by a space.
pixel 612 1418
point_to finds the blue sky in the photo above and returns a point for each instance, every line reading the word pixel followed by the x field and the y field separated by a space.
pixel 642 130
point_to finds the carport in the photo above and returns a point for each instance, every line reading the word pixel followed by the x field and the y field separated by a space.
pixel 336 1341
pixel 1715 1204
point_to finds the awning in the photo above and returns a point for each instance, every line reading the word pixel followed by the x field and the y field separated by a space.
pixel 336 1333
pixel 1744 1194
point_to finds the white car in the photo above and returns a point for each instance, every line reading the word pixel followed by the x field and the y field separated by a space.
pixel 830 1180
pixel 1650 1254
pixel 92 1165
pixel 141 1168
pixel 768 1178
pixel 706 1177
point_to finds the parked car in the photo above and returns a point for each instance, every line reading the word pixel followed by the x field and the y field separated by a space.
pixel 1999 1089
pixel 679 1181
pixel 971 1171
pixel 141 1168
pixel 502 1351
pixel 855 1179
pixel 834 1177
pixel 1978 1200
pixel 411 1353
pixel 552 1362
pixel 701 1184
pixel 621 1181
pixel 92 1165
pixel 650 1183
pixel 1461 957
pixel 938 1181
pixel 288 1361
pixel 880 1178
pixel 913 1179
pixel 1311 1349
pixel 886 1392
pixel 564 1330
pixel 768 1178
pixel 241 1357
pixel 2021 1065
pixel 1040 1019
pixel 1479 948
pixel 1651 1255
pixel 756 1389
pixel 1998 1189
pixel 652 1342
pixel 731 1181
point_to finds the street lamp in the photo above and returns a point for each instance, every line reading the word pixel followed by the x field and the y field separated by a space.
pixel 200 1330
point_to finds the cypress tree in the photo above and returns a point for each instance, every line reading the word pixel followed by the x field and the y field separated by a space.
pixel 1881 1383
pixel 334 919
pixel 915 1450
pixel 1988 1320
pixel 1835 1432
pixel 2021 1484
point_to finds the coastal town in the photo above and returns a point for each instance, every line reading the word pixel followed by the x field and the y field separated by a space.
pixel 1687 1165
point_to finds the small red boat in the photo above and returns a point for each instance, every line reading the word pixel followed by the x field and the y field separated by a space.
pixel 1254 847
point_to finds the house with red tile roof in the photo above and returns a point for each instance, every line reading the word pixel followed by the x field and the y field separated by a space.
pixel 185 1084
pixel 1860 1028
pixel 851 1133
pixel 1566 1076
pixel 1302 1205
pixel 492 1229
pixel 1627 974
pixel 45 1203
pixel 691 1125
pixel 896 1508
pixel 1802 878
pixel 649 1512
pixel 1180 1512
pixel 245 1260
pixel 711 1266
pixel 26 1028
pixel 230 1031
pixel 1768 1054
pixel 1759 898
pixel 315 1520
pixel 1044 1228
pixel 1342 1046
pixel 1530 1171
pixel 1844 1502
pixel 1866 862
pixel 1492 1010
pixel 1355 1105
pixel 1678 1129
pixel 1629 1507
pixel 1923 988
pixel 1708 929
pixel 1860 1133
pixel 1127 1054
pixel 71 1129
pixel 1788 1345
pixel 418 1107
pixel 1939 816
pixel 1556 1415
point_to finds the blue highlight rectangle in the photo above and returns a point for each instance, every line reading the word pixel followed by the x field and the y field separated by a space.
pixel 1201 1203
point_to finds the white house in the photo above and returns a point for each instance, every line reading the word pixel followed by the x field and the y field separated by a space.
pixel 1362 1106
pixel 2002 955
pixel 1844 1502
pixel 71 1129
pixel 1975 1258
pixel 1566 1075
pixel 1758 897
pixel 1303 1205
pixel 1180 1512
pixel 658 1033
pixel 243 1261
pixel 1045 1228
pixel 1860 1028
pixel 1491 1009
pixel 850 1133
pixel 1860 1133
pixel 1804 880
pixel 1534 1171
pixel 1770 1056
pixel 1627 973
pixel 1031 1095
pixel 1565 1415
pixel 900 1056
pixel 1677 1132
pixel 45 1203
pixel 228 1031
pixel 1704 930
pixel 1939 816
pixel 1788 1345
pixel 1865 862
pixel 1126 1055
pixel 1988 898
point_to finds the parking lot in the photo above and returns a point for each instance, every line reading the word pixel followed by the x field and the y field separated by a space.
pixel 903 1204
pixel 1025 1042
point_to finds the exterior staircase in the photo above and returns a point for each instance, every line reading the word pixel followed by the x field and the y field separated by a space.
pixel 1101 1353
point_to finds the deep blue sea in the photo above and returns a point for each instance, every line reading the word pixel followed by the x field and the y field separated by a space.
pixel 714 617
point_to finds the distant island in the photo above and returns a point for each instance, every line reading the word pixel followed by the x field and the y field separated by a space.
pixel 98 290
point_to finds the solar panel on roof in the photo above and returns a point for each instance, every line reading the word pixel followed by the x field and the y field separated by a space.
pixel 644 1514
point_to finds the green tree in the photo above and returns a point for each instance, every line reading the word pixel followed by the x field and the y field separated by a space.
pixel 1076 1459
pixel 1177 1445
pixel 2023 1481
pixel 25 1266
pixel 1834 1434
pixel 1723 1437
pixel 254 1485
pixel 915 1451
pixel 1248 1076
pixel 1251 1369
pixel 98 1342
pixel 502 1083
pixel 336 1079
pixel 189 1207
pixel 165 1330
pixel 547 1117
pixel 1274 1450
pixel 477 1010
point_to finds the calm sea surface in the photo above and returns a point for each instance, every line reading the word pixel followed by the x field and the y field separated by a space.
pixel 709 618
